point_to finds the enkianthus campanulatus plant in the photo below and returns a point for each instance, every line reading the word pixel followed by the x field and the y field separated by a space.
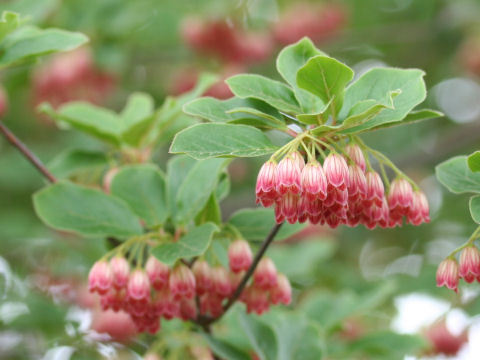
pixel 330 180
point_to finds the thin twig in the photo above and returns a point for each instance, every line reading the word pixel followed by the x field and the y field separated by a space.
pixel 27 153
pixel 206 321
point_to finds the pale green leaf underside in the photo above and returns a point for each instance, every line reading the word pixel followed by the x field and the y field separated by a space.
pixel 457 176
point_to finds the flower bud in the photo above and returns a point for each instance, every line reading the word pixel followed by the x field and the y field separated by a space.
pixel 469 263
pixel 157 272
pixel 265 275
pixel 221 281
pixel 447 274
pixel 375 189
pixel 100 278
pixel 288 176
pixel 336 171
pixel 138 288
pixel 400 195
pixel 182 282
pixel 282 292
pixel 314 181
pixel 203 276
pixel 356 154
pixel 120 271
pixel 266 186
pixel 239 255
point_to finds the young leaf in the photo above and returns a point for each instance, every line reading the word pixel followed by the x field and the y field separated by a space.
pixel 205 141
pixel 137 117
pixel 90 212
pixel 29 42
pixel 273 92
pixel 196 188
pixel 474 205
pixel 326 78
pixel 378 83
pixel 9 22
pixel 194 243
pixel 255 224
pixel 225 349
pixel 474 161
pixel 99 122
pixel 143 188
pixel 292 58
pixel 261 336
pixel 72 161
pixel 456 176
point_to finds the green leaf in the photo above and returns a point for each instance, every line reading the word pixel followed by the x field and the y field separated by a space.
pixel 365 110
pixel 8 23
pixel 225 350
pixel 97 121
pixel 326 78
pixel 261 337
pixel 235 110
pixel 475 208
pixel 474 161
pixel 196 188
pixel 29 42
pixel 143 188
pixel 274 93
pixel 319 117
pixel 70 162
pixel 457 177
pixel 255 224
pixel 210 213
pixel 177 169
pixel 203 141
pixel 70 207
pixel 194 243
pixel 413 116
pixel 376 84
pixel 292 58
pixel 137 117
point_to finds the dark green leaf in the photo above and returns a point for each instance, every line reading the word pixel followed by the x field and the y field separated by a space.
pixel 274 93
pixel 194 243
pixel 255 224
pixel 196 188
pixel 457 176
pixel 261 336
pixel 70 207
pixel 70 162
pixel 143 188
pixel 225 350
pixel 205 141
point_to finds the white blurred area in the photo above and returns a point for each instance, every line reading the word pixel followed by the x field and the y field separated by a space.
pixel 417 311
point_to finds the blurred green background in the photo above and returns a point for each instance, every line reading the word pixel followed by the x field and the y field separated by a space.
pixel 364 284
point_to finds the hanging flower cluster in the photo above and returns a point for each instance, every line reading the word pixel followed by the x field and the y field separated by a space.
pixel 344 190
pixel 450 271
pixel 155 290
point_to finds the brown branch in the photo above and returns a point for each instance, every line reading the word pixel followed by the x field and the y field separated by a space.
pixel 206 321
pixel 29 155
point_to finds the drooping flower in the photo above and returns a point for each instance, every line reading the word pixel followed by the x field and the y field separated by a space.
pixel 221 281
pixel 157 272
pixel 336 171
pixel 354 152
pixel 100 278
pixel 288 176
pixel 314 181
pixel 138 288
pixel 469 267
pixel 120 271
pixel 447 274
pixel 265 190
pixel 282 292
pixel 419 211
pixel 265 275
pixel 182 282
pixel 203 276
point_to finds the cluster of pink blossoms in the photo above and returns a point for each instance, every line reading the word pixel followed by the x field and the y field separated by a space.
pixel 339 192
pixel 450 271
pixel 157 291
